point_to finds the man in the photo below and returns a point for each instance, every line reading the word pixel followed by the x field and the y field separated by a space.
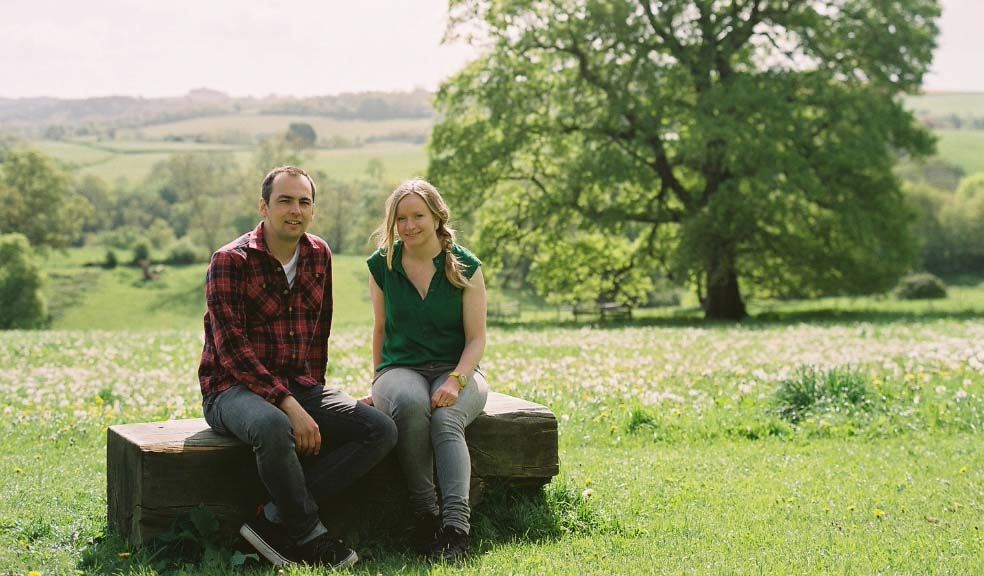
pixel 262 373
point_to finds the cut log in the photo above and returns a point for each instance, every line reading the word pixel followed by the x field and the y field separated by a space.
pixel 158 471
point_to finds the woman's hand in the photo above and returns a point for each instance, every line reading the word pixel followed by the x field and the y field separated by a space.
pixel 446 395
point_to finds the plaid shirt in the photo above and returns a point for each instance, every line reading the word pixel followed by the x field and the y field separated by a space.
pixel 259 332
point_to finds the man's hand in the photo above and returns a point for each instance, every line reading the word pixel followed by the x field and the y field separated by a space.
pixel 307 436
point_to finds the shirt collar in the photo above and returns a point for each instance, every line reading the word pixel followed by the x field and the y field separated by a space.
pixel 257 241
pixel 398 258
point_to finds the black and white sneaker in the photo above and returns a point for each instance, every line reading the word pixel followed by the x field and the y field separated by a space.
pixel 325 551
pixel 269 539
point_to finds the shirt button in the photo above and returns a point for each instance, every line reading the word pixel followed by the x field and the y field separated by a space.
pixel 286 291
pixel 291 332
pixel 290 308
pixel 264 284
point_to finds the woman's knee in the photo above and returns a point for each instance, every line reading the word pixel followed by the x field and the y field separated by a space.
pixel 447 424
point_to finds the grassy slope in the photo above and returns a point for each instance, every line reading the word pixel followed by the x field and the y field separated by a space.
pixel 964 148
pixel 119 299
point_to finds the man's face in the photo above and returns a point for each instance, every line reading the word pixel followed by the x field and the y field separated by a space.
pixel 290 210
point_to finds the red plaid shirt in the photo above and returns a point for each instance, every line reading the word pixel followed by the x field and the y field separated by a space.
pixel 259 332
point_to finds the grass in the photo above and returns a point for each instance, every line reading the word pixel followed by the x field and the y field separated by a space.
pixel 675 455
pixel 85 297
pixel 260 125
pixel 946 103
pixel 964 148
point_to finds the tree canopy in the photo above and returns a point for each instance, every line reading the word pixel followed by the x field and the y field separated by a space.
pixel 718 142
pixel 37 200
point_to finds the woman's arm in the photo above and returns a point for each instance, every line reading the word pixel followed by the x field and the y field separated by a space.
pixel 378 321
pixel 473 312
pixel 378 328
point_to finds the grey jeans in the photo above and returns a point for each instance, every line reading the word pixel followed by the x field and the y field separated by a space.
pixel 354 437
pixel 426 436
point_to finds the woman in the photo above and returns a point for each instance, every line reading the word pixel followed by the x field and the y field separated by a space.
pixel 428 298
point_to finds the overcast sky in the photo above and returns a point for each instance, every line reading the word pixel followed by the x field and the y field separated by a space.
pixel 152 48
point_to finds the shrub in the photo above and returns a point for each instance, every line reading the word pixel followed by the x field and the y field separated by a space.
pixel 111 261
pixel 141 251
pixel 21 303
pixel 813 390
pixel 921 286
pixel 184 252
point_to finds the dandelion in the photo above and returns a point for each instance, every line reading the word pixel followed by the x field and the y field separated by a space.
pixel 851 508
pixel 124 555
pixel 587 493
pixel 963 470
pixel 18 470
pixel 879 513
pixel 34 573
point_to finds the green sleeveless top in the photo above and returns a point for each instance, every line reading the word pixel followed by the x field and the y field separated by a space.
pixel 421 331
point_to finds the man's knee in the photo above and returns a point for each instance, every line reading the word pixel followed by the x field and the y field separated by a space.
pixel 271 430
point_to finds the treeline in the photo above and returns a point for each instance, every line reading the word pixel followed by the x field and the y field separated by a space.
pixel 186 208
pixel 55 118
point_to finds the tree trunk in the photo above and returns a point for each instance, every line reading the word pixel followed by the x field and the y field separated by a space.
pixel 723 300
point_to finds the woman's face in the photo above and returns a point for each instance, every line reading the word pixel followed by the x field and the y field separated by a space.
pixel 415 223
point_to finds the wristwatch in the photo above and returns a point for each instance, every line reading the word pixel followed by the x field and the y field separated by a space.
pixel 462 382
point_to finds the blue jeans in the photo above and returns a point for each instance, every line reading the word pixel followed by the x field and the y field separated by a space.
pixel 429 436
pixel 354 437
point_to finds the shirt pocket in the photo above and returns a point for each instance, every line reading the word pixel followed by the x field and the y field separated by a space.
pixel 262 300
pixel 312 288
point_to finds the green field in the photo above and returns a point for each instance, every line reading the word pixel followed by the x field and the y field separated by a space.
pixel 675 454
pixel 946 103
pixel 263 126
pixel 965 148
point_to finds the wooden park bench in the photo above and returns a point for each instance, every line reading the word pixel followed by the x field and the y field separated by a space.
pixel 604 310
pixel 160 470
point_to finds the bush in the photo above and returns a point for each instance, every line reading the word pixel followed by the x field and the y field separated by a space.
pixel 111 261
pixel 141 251
pixel 21 303
pixel 922 286
pixel 184 252
pixel 812 390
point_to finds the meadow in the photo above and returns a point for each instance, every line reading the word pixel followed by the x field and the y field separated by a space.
pixel 800 441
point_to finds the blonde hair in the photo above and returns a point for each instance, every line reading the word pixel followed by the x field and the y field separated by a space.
pixel 386 233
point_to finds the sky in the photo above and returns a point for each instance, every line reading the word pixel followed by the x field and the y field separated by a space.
pixel 156 48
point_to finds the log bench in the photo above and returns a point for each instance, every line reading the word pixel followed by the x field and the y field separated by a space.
pixel 160 470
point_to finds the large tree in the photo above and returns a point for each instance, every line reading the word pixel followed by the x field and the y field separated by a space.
pixel 37 200
pixel 718 141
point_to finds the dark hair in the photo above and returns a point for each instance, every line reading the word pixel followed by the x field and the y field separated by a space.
pixel 267 189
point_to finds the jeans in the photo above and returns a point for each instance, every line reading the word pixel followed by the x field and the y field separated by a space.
pixel 427 436
pixel 354 437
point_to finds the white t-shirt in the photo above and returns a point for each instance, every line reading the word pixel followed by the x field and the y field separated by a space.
pixel 290 268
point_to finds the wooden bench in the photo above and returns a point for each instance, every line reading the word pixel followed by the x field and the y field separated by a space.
pixel 604 310
pixel 158 471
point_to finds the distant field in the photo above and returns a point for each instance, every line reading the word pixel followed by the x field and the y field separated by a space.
pixel 942 104
pixel 962 147
pixel 255 125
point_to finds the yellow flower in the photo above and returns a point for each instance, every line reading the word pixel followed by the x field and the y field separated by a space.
pixel 18 470
pixel 963 470
pixel 879 512
pixel 34 573
pixel 851 508
pixel 124 555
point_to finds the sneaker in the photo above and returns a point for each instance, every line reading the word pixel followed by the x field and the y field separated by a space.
pixel 426 529
pixel 269 539
pixel 451 545
pixel 325 551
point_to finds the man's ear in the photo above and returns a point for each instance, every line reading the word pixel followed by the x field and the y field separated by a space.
pixel 263 207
